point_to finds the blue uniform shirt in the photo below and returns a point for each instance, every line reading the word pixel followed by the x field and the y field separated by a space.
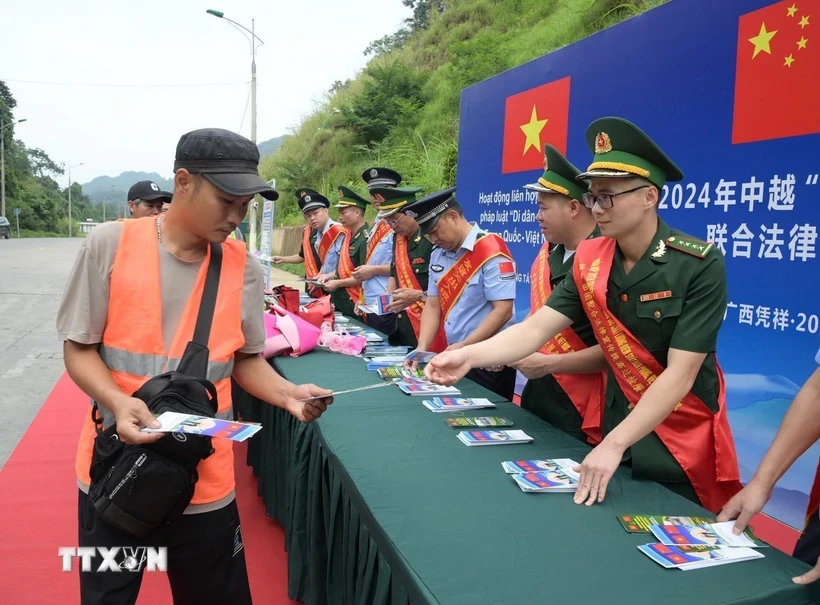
pixel 382 255
pixel 475 303
pixel 332 258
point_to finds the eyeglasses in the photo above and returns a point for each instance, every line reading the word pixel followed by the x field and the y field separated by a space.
pixel 393 219
pixel 606 200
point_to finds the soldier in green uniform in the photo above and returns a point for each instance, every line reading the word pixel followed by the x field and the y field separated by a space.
pixel 345 291
pixel 562 387
pixel 656 299
pixel 409 268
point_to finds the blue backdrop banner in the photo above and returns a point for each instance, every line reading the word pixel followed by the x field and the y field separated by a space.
pixel 729 91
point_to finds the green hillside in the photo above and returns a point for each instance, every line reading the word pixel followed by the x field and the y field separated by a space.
pixel 115 188
pixel 402 110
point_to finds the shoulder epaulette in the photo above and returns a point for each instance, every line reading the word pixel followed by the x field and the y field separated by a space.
pixel 690 245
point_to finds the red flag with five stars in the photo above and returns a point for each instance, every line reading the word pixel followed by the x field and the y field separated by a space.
pixel 778 59
pixel 532 118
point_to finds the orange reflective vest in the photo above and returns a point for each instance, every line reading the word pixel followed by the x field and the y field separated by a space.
pixel 133 349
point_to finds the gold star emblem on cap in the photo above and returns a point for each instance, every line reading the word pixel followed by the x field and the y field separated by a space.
pixel 602 143
pixel 341 194
pixel 546 162
pixel 301 194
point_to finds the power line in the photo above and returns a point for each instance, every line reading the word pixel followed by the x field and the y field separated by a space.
pixel 99 85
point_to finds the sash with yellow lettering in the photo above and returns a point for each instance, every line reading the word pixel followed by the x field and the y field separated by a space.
pixel 346 268
pixel 311 270
pixel 381 232
pixel 407 279
pixel 699 440
pixel 452 283
pixel 586 391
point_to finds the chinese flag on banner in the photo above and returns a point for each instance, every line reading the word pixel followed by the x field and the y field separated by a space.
pixel 532 118
pixel 778 62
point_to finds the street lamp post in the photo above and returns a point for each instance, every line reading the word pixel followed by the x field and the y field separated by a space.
pixel 69 196
pixel 254 37
pixel 3 162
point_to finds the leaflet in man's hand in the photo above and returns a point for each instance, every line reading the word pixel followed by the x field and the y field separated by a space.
pixel 420 356
pixel 456 404
pixel 688 557
pixel 379 306
pixel 639 524
pixel 474 438
pixel 175 422
pixel 710 534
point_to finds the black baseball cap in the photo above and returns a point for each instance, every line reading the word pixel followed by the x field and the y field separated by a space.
pixel 229 161
pixel 147 191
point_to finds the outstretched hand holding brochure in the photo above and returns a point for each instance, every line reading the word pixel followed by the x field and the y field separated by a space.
pixel 175 422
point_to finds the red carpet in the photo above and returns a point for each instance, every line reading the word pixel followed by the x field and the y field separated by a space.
pixel 38 514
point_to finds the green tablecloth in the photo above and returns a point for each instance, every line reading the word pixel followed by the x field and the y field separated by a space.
pixel 383 505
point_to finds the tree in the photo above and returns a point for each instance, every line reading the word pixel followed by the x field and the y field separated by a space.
pixel 422 12
pixel 41 164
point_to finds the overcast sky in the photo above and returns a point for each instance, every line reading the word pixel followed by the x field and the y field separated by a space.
pixel 142 56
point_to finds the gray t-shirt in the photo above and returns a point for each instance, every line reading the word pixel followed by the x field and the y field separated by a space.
pixel 84 307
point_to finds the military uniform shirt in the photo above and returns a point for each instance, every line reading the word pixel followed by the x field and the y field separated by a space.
pixel 485 287
pixel 357 249
pixel 419 250
pixel 543 396
pixel 382 255
pixel 689 320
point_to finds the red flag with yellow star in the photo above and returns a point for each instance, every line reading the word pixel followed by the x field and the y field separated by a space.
pixel 532 118
pixel 778 59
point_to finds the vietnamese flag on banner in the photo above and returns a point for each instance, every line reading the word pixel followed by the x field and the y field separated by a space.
pixel 532 118
pixel 778 62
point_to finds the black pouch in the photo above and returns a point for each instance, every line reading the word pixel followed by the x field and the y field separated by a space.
pixel 140 488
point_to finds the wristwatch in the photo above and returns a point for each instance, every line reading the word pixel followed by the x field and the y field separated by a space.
pixel 424 297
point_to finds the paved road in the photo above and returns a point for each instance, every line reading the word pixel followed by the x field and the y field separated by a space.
pixel 33 274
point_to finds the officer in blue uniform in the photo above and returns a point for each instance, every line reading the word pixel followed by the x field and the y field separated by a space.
pixel 481 308
pixel 375 273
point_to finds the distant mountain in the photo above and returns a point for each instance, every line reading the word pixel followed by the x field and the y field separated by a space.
pixel 271 145
pixel 115 189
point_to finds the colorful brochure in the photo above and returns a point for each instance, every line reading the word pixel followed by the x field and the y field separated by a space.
pixel 478 421
pixel 175 422
pixel 475 438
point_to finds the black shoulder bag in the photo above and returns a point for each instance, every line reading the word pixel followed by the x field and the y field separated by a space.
pixel 139 488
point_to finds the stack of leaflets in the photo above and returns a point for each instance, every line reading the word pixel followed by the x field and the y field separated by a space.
pixel 373 337
pixel 478 422
pixel 376 363
pixel 421 388
pixel 537 476
pixel 342 320
pixel 176 422
pixel 640 524
pixel 472 438
pixel 394 372
pixel 456 404
pixel 384 350
pixel 707 545
pixel 379 307
pixel 688 557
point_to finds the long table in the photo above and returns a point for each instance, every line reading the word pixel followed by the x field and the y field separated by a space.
pixel 382 505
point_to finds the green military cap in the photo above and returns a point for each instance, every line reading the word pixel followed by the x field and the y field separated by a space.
pixel 349 198
pixel 394 197
pixel 559 176
pixel 622 150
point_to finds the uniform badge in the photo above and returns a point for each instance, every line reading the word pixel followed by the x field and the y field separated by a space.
pixel 656 296
pixel 436 268
pixel 307 198
pixel 546 163
pixel 374 173
pixel 418 261
pixel 341 194
pixel 602 143
pixel 301 194
pixel 418 239
pixel 154 187
pixel 660 250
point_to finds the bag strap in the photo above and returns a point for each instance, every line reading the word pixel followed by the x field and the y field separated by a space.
pixel 202 331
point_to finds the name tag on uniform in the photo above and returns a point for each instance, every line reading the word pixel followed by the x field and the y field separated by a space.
pixel 436 268
pixel 656 295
